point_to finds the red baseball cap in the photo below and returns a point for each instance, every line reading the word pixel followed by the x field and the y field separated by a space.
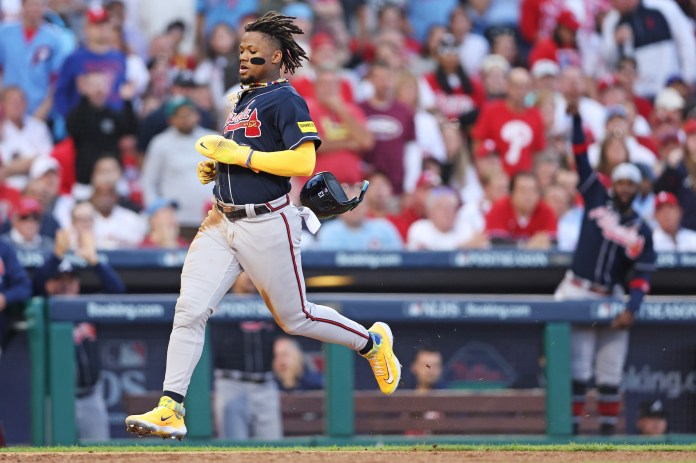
pixel 567 19
pixel 607 82
pixel 97 15
pixel 665 197
pixel 28 206
pixel 321 39
pixel 690 127
pixel 428 179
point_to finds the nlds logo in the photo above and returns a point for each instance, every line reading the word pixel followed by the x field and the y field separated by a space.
pixel 434 309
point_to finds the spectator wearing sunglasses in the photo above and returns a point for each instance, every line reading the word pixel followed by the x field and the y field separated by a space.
pixel 25 228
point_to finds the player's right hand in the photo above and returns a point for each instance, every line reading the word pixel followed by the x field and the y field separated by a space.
pixel 207 171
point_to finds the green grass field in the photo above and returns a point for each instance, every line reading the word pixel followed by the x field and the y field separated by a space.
pixel 571 447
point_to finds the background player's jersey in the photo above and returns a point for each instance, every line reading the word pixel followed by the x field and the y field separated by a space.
pixel 610 245
pixel 272 118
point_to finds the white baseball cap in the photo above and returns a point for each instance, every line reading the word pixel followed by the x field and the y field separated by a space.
pixel 626 171
pixel 491 62
pixel 545 67
pixel 669 99
pixel 41 165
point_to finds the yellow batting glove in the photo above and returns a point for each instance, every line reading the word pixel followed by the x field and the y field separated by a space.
pixel 221 149
pixel 206 171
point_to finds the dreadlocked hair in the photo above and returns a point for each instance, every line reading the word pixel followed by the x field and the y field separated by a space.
pixel 281 28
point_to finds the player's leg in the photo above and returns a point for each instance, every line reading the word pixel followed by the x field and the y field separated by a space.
pixel 209 270
pixel 267 421
pixel 612 348
pixel 232 409
pixel 91 416
pixel 583 341
pixel 275 267
pixel 582 347
pixel 235 414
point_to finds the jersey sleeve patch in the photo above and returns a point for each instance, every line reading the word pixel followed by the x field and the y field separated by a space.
pixel 307 126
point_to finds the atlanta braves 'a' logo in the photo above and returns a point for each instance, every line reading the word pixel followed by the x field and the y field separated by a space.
pixel 247 120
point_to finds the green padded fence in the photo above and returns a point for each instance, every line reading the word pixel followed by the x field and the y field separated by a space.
pixel 53 382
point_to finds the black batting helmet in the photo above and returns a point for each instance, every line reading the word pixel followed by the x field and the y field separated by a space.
pixel 325 197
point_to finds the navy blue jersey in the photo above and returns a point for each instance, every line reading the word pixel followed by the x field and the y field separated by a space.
pixel 611 244
pixel 272 118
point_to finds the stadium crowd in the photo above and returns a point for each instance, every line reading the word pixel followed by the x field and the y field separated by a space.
pixel 453 110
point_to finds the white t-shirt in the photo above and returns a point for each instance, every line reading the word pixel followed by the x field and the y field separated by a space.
pixel 30 141
pixel 122 229
pixel 685 241
pixel 422 236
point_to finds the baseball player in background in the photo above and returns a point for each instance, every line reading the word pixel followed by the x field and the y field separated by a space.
pixel 614 242
pixel 269 137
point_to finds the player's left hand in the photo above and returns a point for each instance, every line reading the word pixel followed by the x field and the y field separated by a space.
pixel 206 171
pixel 221 149
pixel 623 320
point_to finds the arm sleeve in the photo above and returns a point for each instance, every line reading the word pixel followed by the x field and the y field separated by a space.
pixel 294 123
pixel 589 185
pixel 645 265
pixel 111 282
pixel 18 285
pixel 289 163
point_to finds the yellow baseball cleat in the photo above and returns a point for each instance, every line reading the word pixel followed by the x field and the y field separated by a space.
pixel 165 420
pixel 385 365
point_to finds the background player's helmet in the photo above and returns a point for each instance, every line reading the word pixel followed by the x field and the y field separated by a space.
pixel 324 195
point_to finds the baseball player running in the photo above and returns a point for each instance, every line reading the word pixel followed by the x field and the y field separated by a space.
pixel 614 242
pixel 269 137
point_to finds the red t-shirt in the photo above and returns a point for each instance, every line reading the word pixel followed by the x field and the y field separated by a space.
pixel 517 136
pixel 452 105
pixel 305 87
pixel 502 222
pixel 344 164
pixel 9 202
pixel 393 128
pixel 403 221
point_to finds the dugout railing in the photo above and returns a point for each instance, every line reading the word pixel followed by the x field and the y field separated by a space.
pixel 51 322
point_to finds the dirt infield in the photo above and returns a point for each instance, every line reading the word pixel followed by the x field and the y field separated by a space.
pixel 371 456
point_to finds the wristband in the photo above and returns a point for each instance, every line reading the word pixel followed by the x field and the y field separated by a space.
pixel 248 161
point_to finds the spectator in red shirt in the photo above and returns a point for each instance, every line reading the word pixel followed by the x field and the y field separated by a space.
pixel 627 75
pixel 562 46
pixel 342 126
pixel 392 125
pixel 323 54
pixel 164 229
pixel 518 131
pixel 457 95
pixel 414 206
pixel 381 201
pixel 522 218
